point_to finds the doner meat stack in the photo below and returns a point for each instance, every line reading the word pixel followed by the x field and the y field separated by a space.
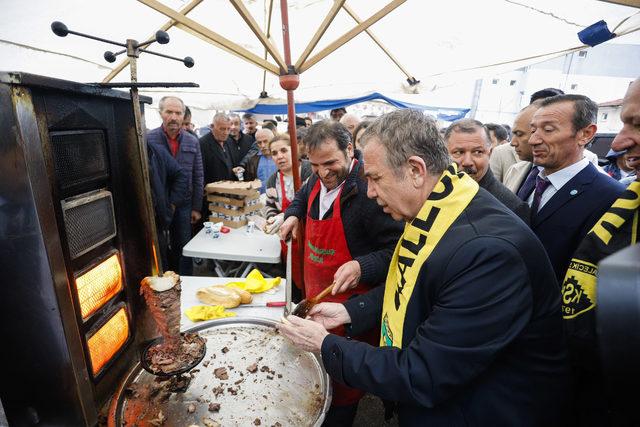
pixel 232 201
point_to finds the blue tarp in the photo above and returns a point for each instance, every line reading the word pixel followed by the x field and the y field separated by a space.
pixel 446 114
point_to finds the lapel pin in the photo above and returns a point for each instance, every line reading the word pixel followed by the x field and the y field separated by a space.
pixel 573 192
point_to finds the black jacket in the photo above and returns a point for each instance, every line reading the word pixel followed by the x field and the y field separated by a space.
pixel 169 184
pixel 482 339
pixel 371 234
pixel 564 221
pixel 505 196
pixel 217 164
pixel 243 149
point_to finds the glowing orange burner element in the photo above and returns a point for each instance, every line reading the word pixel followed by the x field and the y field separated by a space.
pixel 106 342
pixel 99 285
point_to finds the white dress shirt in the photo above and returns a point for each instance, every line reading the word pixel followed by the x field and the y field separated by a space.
pixel 558 180
pixel 327 197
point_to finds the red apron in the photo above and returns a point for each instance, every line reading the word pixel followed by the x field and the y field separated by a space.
pixel 324 252
pixel 295 267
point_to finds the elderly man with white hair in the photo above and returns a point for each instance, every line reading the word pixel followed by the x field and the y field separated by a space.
pixel 261 166
pixel 350 121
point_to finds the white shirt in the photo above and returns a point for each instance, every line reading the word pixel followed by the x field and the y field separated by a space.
pixel 558 180
pixel 327 197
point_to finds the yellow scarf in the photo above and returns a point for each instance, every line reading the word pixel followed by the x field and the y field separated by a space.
pixel 449 198
pixel 616 229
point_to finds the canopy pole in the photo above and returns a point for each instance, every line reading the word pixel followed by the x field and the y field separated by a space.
pixel 289 81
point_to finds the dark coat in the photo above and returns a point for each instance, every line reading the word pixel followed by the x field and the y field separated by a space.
pixel 169 184
pixel 482 340
pixel 564 221
pixel 371 234
pixel 243 149
pixel 189 158
pixel 505 196
pixel 218 165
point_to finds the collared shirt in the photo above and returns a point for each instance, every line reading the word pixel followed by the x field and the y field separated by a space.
pixel 266 168
pixel 327 197
pixel 174 144
pixel 558 180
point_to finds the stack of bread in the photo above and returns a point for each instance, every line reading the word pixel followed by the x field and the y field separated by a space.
pixel 230 202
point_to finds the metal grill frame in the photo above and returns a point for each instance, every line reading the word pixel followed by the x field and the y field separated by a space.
pixel 81 200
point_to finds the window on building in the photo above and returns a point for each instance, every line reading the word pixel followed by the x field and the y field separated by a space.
pixel 605 116
pixel 574 86
pixel 582 53
pixel 495 81
pixel 512 82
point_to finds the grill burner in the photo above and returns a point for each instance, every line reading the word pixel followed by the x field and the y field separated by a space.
pixel 89 221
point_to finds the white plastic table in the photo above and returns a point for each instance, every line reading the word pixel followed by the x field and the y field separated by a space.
pixel 190 284
pixel 237 245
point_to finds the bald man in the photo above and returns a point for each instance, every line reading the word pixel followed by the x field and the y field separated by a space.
pixel 261 166
pixel 350 121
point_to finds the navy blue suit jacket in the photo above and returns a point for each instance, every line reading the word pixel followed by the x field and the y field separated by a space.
pixel 482 343
pixel 567 217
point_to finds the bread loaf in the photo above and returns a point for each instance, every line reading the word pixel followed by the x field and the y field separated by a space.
pixel 245 297
pixel 219 295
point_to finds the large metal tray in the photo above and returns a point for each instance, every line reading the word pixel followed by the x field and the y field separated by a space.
pixel 294 391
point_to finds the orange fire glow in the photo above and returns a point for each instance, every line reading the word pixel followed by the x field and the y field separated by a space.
pixel 99 285
pixel 106 342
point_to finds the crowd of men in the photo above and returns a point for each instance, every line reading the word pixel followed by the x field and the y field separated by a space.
pixel 457 257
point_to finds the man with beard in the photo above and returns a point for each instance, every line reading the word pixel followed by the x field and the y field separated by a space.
pixel 469 145
pixel 243 146
pixel 348 239
pixel 185 149
pixel 250 124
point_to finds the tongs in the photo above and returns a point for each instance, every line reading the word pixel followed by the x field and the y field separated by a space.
pixel 306 305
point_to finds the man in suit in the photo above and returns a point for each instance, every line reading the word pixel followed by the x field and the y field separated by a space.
pixel 217 153
pixel 517 174
pixel 469 146
pixel 185 149
pixel 570 194
pixel 470 322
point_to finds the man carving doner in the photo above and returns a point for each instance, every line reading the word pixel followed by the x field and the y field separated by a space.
pixel 470 321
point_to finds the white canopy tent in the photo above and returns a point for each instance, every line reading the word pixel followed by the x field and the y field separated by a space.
pixel 438 43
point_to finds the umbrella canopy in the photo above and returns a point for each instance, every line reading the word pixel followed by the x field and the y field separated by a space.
pixel 438 43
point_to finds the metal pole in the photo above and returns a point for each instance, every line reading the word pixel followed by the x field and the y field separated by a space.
pixel 132 53
pixel 289 81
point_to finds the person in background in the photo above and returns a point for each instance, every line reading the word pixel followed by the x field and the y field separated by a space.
pixel 217 151
pixel 630 162
pixel 279 186
pixel 308 121
pixel 261 166
pixel 185 148
pixel 503 155
pixel 187 124
pixel 348 238
pixel 499 134
pixel 301 134
pixel 169 187
pixel 243 145
pixel 469 317
pixel 617 167
pixel 515 179
pixel 270 126
pixel 545 93
pixel 337 113
pixel 250 124
pixel 359 130
pixel 469 145
pixel 350 121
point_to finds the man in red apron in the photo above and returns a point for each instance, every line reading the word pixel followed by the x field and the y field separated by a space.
pixel 348 239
